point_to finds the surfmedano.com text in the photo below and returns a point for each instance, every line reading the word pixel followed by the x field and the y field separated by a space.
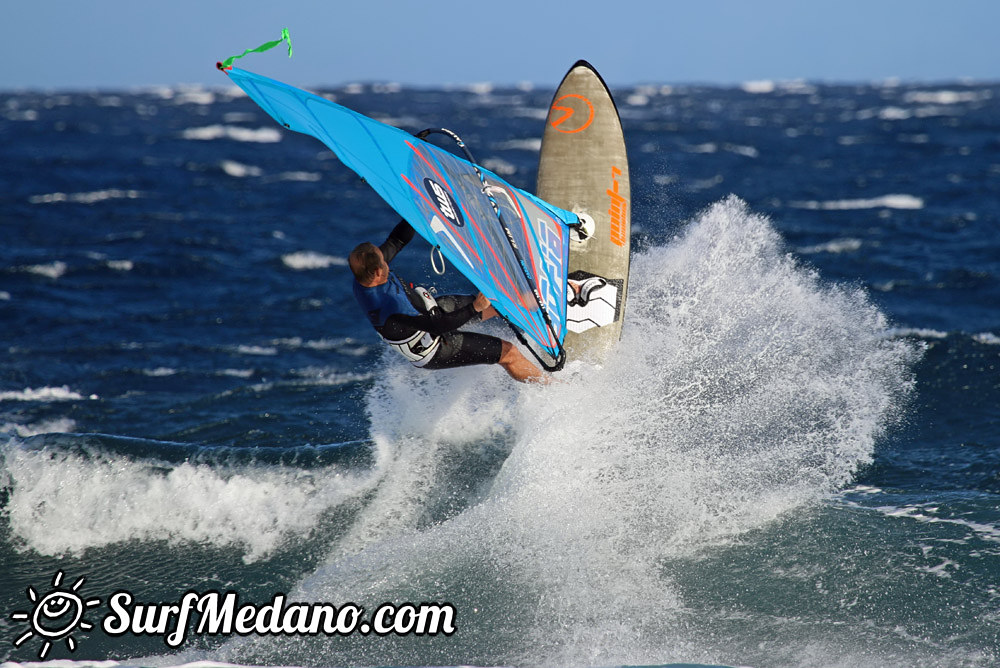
pixel 213 613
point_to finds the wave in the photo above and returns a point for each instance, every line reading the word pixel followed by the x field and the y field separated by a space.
pixel 70 493
pixel 45 394
pixel 883 202
pixel 893 113
pixel 304 177
pixel 60 425
pixel 51 270
pixel 86 197
pixel 983 338
pixel 835 246
pixel 307 260
pixel 946 96
pixel 930 513
pixel 987 338
pixel 264 135
pixel 239 170
pixel 531 145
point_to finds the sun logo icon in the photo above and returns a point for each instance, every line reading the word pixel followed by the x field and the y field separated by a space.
pixel 55 615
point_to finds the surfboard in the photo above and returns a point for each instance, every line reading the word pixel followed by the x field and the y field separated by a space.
pixel 583 168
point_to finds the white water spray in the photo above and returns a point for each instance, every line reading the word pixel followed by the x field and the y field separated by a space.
pixel 744 388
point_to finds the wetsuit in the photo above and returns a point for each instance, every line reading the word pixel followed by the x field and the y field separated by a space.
pixel 427 339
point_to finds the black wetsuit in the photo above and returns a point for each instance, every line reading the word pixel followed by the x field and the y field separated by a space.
pixel 397 314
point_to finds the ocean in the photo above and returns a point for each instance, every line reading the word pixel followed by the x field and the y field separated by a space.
pixel 791 459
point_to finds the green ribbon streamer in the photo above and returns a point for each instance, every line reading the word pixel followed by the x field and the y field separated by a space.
pixel 285 37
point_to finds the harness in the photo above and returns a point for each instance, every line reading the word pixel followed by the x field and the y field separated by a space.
pixel 382 301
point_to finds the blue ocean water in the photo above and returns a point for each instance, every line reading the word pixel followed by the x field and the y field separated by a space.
pixel 790 460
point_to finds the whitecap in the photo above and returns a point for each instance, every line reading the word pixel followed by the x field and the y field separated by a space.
pixel 329 377
pixel 746 151
pixel 239 170
pixel 758 87
pixel 159 372
pixel 347 346
pixel 50 426
pixel 387 87
pixel 21 115
pixel 530 144
pixel 530 112
pixel 918 332
pixel 498 166
pixel 266 351
pixel 51 270
pixel 707 147
pixel 894 114
pixel 239 117
pixel 798 87
pixel 987 338
pixel 120 265
pixel 85 198
pixel 850 140
pixel 705 184
pixel 305 177
pixel 399 121
pixel 926 514
pixel 480 88
pixel 235 373
pixel 945 96
pixel 885 202
pixel 65 503
pixel 233 132
pixel 194 96
pixel 305 260
pixel 834 246
pixel 62 393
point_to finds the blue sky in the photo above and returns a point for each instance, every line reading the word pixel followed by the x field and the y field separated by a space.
pixel 78 44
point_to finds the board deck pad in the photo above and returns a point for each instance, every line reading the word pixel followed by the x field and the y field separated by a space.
pixel 583 168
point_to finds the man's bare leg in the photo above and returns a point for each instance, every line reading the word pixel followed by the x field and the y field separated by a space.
pixel 519 368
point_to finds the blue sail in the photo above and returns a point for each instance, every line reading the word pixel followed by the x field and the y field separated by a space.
pixel 511 245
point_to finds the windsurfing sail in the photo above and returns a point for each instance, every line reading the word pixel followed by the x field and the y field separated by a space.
pixel 513 246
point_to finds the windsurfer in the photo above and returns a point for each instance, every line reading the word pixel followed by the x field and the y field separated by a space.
pixel 425 330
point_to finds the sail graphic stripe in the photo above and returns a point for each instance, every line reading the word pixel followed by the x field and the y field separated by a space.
pixel 527 320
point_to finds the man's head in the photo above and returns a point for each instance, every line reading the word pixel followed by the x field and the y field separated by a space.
pixel 368 264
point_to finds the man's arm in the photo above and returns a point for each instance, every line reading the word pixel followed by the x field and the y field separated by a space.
pixel 401 235
pixel 399 325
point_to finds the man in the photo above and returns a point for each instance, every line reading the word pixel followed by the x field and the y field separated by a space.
pixel 424 332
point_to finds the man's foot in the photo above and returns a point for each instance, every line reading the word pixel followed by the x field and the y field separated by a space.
pixel 518 366
pixel 582 290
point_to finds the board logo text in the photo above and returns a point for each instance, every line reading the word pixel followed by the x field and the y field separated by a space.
pixel 618 211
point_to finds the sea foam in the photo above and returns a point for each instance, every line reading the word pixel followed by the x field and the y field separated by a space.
pixel 744 388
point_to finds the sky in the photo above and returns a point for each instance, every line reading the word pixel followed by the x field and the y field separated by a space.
pixel 123 44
